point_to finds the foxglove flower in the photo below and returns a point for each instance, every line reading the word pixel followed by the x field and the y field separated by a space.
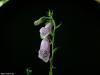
pixel 45 31
pixel 44 52
pixel 49 26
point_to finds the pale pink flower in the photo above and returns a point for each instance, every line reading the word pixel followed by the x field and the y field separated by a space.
pixel 49 27
pixel 45 31
pixel 44 52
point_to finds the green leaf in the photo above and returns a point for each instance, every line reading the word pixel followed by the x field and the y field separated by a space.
pixel 58 26
pixel 50 13
pixel 2 2
pixel 53 53
pixel 55 50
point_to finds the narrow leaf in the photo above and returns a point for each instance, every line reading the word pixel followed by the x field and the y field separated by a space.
pixel 2 2
pixel 54 50
pixel 58 26
pixel 50 13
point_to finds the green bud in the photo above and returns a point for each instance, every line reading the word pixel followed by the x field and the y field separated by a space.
pixel 40 20
pixel 50 13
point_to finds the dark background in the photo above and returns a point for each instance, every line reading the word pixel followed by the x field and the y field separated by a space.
pixel 78 37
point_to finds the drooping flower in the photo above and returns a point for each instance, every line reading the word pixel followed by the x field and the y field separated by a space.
pixel 44 52
pixel 49 26
pixel 45 31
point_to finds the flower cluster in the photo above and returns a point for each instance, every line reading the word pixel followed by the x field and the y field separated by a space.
pixel 44 51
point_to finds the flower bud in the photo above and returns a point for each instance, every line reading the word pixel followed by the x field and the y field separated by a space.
pixel 39 21
pixel 44 52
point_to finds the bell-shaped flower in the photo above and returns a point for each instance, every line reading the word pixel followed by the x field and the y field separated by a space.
pixel 44 52
pixel 45 31
pixel 49 26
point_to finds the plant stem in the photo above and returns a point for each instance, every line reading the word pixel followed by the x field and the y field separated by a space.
pixel 50 72
pixel 53 36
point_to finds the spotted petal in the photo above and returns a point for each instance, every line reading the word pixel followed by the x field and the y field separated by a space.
pixel 44 52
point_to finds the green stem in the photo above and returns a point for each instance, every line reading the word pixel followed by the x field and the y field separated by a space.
pixel 50 72
pixel 53 36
